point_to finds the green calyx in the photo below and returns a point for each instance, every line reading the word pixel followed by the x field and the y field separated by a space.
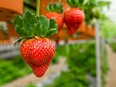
pixel 77 3
pixel 56 7
pixel 29 25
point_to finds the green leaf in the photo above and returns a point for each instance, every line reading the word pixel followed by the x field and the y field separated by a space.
pixel 27 32
pixel 28 20
pixel 70 2
pixel 53 23
pixel 76 2
pixel 37 29
pixel 50 7
pixel 22 32
pixel 19 30
pixel 102 3
pixel 58 7
pixel 44 23
pixel 51 32
pixel 52 28
pixel 55 7
pixel 85 1
pixel 18 21
pixel 81 2
pixel 29 25
pixel 73 3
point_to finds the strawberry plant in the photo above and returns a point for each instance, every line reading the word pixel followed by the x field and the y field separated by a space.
pixel 74 17
pixel 108 30
pixel 94 10
pixel 113 46
pixel 36 50
pixel 72 81
pixel 55 11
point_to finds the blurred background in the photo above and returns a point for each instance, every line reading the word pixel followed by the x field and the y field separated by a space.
pixel 85 59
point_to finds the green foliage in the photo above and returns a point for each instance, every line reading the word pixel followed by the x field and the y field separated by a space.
pixel 79 65
pixel 83 57
pixel 93 10
pixel 31 85
pixel 29 25
pixel 69 79
pixel 113 46
pixel 103 3
pixel 55 7
pixel 60 52
pixel 76 3
pixel 81 61
pixel 12 69
pixel 108 29
pixel 104 67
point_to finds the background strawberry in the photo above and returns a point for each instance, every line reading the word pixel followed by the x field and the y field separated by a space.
pixel 36 50
pixel 55 11
pixel 58 17
pixel 74 17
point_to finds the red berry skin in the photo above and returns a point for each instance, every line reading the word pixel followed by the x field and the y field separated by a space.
pixel 73 18
pixel 58 17
pixel 38 53
pixel 39 71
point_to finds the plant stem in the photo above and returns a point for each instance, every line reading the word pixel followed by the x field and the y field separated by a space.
pixel 59 1
pixel 38 7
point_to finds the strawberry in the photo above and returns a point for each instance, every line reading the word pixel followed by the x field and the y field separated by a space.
pixel 55 11
pixel 38 53
pixel 36 50
pixel 32 51
pixel 58 17
pixel 74 17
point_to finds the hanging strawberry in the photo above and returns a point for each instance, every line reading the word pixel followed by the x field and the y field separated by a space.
pixel 36 49
pixel 55 11
pixel 74 17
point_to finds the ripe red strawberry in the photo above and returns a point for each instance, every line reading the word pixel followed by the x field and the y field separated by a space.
pixel 73 18
pixel 58 17
pixel 32 50
pixel 38 53
pixel 36 50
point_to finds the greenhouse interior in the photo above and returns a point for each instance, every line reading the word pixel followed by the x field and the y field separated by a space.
pixel 75 46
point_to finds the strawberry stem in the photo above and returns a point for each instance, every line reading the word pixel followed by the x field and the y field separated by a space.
pixel 18 40
pixel 38 7
pixel 36 37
